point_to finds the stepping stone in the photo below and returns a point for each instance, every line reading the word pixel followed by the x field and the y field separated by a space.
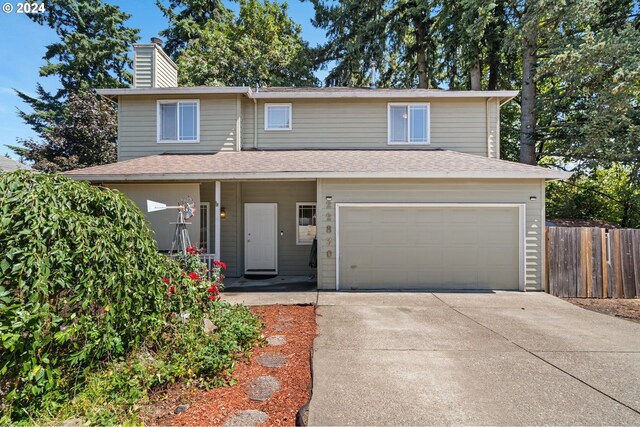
pixel 180 409
pixel 262 388
pixel 281 328
pixel 272 360
pixel 250 417
pixel 277 340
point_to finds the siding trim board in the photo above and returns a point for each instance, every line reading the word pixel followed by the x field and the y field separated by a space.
pixel 521 227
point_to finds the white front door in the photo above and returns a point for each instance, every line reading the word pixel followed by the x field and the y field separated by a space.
pixel 260 238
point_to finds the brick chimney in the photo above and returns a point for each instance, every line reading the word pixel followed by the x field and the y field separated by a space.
pixel 152 67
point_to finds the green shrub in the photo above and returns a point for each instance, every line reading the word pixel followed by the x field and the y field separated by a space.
pixel 81 284
pixel 204 360
pixel 92 317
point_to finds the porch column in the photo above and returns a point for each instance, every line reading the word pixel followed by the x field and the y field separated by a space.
pixel 216 221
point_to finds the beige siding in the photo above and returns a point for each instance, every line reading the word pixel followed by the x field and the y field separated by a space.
pixel 138 126
pixel 170 194
pixel 432 191
pixel 143 67
pixel 456 124
pixel 166 75
pixel 230 227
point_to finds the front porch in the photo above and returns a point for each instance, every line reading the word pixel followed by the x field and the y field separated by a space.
pixel 270 284
pixel 262 230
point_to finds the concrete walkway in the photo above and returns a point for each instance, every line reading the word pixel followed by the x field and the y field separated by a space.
pixel 471 359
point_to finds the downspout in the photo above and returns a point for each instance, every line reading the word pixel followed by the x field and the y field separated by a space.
pixel 255 124
pixel 488 131
pixel 238 123
pixel 498 128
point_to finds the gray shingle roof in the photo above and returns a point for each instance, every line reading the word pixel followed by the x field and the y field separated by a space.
pixel 10 165
pixel 299 164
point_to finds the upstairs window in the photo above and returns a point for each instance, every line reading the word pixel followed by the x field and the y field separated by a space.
pixel 408 123
pixel 277 116
pixel 178 121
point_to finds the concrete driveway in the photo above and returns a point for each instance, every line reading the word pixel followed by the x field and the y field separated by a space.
pixel 505 358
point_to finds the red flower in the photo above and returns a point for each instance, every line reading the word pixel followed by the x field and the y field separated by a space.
pixel 192 251
pixel 194 276
pixel 172 289
pixel 213 297
pixel 220 264
pixel 213 289
pixel 165 280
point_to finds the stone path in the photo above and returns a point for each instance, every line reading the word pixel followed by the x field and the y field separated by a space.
pixel 262 388
pixel 250 417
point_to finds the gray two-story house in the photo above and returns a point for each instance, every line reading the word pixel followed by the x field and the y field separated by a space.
pixel 403 189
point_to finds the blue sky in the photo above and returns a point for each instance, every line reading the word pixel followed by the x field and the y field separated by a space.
pixel 23 44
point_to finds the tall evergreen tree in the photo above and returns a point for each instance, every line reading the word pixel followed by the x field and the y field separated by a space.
pixel 91 52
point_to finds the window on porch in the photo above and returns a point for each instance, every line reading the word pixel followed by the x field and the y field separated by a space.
pixel 306 223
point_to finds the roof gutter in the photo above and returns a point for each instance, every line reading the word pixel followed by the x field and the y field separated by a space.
pixel 553 175
pixel 505 95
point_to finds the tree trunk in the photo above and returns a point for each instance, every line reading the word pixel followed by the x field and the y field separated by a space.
pixel 528 105
pixel 476 75
pixel 421 58
pixel 494 64
pixel 495 35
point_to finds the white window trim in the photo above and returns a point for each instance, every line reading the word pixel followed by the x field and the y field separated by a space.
pixel 266 116
pixel 298 204
pixel 207 205
pixel 158 121
pixel 408 104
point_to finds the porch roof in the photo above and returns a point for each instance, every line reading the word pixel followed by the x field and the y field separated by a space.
pixel 312 164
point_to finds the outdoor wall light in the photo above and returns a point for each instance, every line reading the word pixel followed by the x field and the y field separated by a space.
pixel 223 213
pixel 329 198
pixel 533 198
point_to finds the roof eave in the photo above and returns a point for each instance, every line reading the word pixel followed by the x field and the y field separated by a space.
pixel 553 175
pixel 504 94
pixel 175 91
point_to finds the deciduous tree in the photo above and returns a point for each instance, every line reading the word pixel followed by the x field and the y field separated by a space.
pixel 262 45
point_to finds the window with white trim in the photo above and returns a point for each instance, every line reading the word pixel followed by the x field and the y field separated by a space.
pixel 179 121
pixel 277 116
pixel 305 223
pixel 408 123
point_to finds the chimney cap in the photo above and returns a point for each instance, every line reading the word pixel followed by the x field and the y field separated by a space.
pixel 158 41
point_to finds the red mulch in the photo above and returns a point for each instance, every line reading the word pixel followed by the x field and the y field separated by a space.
pixel 214 407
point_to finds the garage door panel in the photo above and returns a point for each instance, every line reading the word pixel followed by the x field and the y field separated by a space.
pixel 428 248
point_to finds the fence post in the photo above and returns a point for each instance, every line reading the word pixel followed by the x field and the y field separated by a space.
pixel 605 265
pixel 547 270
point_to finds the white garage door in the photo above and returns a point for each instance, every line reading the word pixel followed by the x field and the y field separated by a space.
pixel 428 247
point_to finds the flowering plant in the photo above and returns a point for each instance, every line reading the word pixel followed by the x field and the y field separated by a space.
pixel 197 286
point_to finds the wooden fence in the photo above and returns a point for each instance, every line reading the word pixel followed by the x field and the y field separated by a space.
pixel 588 262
